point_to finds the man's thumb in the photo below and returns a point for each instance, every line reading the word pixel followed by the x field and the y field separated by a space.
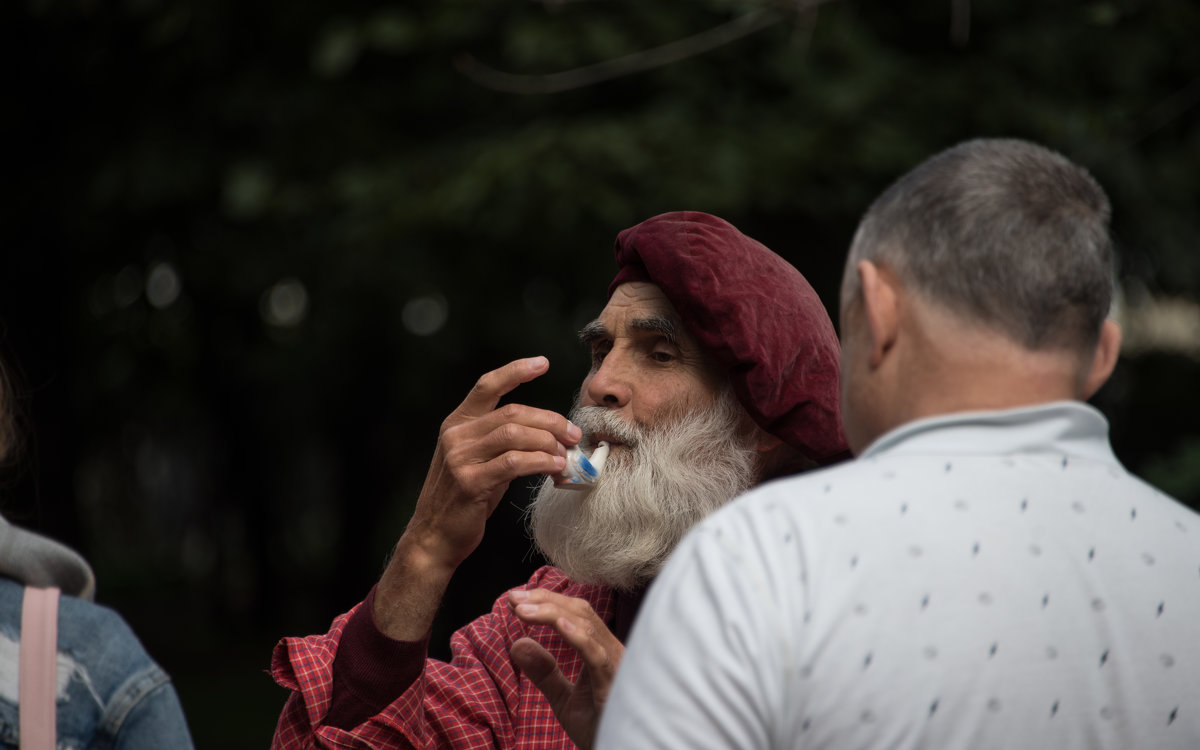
pixel 541 668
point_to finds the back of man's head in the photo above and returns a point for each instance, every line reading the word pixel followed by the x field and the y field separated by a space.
pixel 1004 233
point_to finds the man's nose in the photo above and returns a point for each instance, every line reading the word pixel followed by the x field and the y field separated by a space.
pixel 610 385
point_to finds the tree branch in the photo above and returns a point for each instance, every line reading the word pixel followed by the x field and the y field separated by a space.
pixel 636 62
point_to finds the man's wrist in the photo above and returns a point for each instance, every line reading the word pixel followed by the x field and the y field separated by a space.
pixel 410 591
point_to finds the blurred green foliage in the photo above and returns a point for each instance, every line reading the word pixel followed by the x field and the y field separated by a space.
pixel 254 252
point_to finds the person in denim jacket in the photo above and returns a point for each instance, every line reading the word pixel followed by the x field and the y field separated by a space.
pixel 110 693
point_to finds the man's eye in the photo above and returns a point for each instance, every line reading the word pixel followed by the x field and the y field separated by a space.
pixel 599 351
pixel 661 356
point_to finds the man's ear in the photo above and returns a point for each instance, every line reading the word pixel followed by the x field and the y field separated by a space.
pixel 880 309
pixel 1108 348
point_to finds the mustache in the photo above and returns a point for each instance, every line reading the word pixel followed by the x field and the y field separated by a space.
pixel 600 420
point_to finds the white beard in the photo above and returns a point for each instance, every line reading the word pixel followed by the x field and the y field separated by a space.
pixel 653 489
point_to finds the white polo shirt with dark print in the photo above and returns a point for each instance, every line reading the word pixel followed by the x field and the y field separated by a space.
pixel 979 580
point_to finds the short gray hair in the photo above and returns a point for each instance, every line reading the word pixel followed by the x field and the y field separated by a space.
pixel 1003 232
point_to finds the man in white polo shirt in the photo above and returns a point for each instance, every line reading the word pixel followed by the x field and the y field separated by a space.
pixel 986 574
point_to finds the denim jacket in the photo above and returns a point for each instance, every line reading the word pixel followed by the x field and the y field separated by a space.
pixel 110 693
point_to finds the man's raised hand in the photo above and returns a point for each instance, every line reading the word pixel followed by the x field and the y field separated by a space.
pixel 481 448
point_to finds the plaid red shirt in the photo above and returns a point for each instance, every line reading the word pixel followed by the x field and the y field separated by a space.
pixel 376 688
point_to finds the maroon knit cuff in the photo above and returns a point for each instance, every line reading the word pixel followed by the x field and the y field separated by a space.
pixel 371 670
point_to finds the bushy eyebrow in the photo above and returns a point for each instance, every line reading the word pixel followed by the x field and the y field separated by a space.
pixel 593 332
pixel 663 326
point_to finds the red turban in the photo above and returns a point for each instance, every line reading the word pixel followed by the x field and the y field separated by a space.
pixel 755 314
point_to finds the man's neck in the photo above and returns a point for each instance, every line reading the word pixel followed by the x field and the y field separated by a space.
pixel 952 367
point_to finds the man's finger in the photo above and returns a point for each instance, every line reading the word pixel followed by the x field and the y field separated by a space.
pixel 492 386
pixel 514 427
pixel 502 469
pixel 544 607
pixel 540 667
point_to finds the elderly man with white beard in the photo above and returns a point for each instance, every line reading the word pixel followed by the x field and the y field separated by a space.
pixel 714 368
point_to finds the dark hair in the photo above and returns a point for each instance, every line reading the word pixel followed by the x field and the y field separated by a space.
pixel 1005 232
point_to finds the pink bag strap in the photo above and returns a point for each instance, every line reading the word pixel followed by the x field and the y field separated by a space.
pixel 38 668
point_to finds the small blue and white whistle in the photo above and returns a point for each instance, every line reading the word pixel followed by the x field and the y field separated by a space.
pixel 581 471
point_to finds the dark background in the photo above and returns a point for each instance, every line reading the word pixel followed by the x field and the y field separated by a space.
pixel 254 252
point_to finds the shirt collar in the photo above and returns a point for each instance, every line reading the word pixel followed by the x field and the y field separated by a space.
pixel 1071 428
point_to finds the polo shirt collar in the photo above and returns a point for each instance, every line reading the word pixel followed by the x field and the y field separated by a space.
pixel 1071 428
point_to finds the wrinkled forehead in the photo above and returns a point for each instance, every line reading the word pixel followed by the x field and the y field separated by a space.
pixel 642 306
pixel 642 297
